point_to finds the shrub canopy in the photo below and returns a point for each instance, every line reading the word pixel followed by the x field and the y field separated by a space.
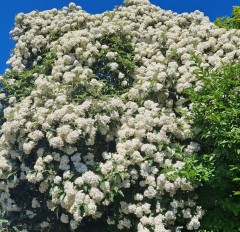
pixel 98 129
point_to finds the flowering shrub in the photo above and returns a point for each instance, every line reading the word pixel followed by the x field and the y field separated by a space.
pixel 18 85
pixel 104 133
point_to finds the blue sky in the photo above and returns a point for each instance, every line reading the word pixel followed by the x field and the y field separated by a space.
pixel 9 9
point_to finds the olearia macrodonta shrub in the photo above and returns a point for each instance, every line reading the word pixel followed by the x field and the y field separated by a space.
pixel 216 114
pixel 102 134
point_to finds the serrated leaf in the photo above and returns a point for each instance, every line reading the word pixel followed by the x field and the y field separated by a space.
pixel 121 176
pixel 121 193
pixel 116 188
pixel 111 196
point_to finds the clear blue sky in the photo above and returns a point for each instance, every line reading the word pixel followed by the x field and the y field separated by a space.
pixel 9 9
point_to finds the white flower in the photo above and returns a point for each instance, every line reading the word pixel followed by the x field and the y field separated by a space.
pixel 80 167
pixel 113 66
pixel 124 223
pixel 79 181
pixel 56 142
pixel 57 179
pixel 35 203
pixel 48 159
pixel 121 75
pixel 2 96
pixel 92 208
pixel 72 137
pixel 170 215
pixel 72 5
pixel 150 192
pixel 27 147
pixel 111 55
pixel 90 178
pixel 106 155
pixel 74 224
pixel 44 224
pixel 191 148
pixel 36 135
pixel 138 197
pixel 64 218
pixel 80 197
pixel 194 224
pixel 96 194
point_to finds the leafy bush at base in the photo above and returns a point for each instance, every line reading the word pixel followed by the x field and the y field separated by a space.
pixel 216 113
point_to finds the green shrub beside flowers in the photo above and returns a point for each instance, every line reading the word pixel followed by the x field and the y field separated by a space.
pixel 216 113
pixel 230 22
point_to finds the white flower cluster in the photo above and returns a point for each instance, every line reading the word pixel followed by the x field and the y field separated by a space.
pixel 35 31
pixel 83 152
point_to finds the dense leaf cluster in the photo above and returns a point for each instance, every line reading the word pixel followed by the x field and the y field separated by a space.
pixel 230 22
pixel 216 112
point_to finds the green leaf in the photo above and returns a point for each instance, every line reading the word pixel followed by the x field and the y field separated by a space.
pixel 4 221
pixel 116 188
pixel 85 207
pixel 122 175
pixel 121 193
pixel 111 196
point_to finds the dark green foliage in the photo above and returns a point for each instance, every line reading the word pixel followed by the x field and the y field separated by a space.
pixel 216 111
